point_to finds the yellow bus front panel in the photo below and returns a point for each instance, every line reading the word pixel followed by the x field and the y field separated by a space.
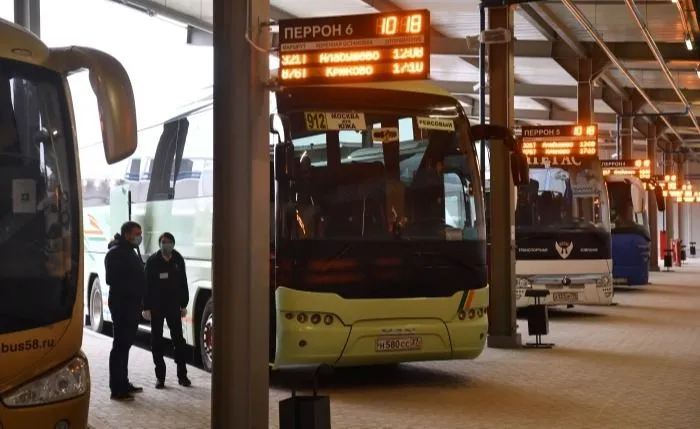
pixel 74 412
pixel 315 328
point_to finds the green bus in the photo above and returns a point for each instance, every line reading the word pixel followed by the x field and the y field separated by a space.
pixel 377 233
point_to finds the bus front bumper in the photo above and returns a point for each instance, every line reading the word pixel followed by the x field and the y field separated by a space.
pixel 589 293
pixel 380 337
pixel 74 412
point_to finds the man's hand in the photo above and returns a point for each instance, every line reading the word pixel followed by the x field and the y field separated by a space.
pixel 183 312
pixel 146 314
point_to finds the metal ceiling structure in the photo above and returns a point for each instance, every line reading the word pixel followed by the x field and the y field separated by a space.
pixel 551 36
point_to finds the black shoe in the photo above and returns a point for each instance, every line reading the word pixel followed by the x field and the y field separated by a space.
pixel 134 389
pixel 184 381
pixel 121 397
pixel 160 384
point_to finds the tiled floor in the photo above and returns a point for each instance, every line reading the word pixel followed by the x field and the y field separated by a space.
pixel 635 365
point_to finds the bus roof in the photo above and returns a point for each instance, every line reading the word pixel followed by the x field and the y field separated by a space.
pixel 624 178
pixel 19 44
pixel 419 86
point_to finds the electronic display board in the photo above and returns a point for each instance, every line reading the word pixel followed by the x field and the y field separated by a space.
pixel 355 48
pixel 627 167
pixel 560 140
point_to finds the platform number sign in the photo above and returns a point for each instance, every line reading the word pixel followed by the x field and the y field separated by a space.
pixel 355 48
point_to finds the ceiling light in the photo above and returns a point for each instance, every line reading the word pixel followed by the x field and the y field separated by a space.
pixel 688 44
pixel 674 1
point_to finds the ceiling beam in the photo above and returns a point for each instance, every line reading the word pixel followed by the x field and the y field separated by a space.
pixel 560 29
pixel 539 23
pixel 639 51
pixel 659 95
pixel 442 45
pixel 568 50
pixel 555 114
pixel 521 90
pixel 158 8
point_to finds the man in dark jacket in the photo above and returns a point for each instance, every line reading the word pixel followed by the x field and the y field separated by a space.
pixel 167 296
pixel 127 284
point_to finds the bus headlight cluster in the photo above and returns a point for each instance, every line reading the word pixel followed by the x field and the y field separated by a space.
pixel 604 281
pixel 313 318
pixel 472 313
pixel 606 284
pixel 66 382
pixel 523 283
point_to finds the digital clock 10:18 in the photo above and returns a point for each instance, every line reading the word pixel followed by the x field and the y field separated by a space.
pixel 392 25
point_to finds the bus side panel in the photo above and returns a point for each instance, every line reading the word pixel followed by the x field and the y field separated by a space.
pixel 630 259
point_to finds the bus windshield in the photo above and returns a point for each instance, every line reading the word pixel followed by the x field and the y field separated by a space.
pixel 395 175
pixel 627 209
pixel 38 200
pixel 564 197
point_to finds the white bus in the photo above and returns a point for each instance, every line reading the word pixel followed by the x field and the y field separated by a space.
pixel 563 232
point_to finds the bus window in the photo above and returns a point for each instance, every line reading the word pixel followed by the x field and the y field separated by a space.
pixel 405 129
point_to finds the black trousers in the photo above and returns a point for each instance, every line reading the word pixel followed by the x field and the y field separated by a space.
pixel 125 323
pixel 173 319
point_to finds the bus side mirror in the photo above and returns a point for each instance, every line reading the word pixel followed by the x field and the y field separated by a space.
pixel 660 200
pixel 115 96
pixel 524 168
pixel 277 127
pixel 493 132
pixel 284 161
pixel 519 168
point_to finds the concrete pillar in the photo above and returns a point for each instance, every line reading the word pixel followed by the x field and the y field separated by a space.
pixel 241 249
pixel 503 325
pixel 682 207
pixel 584 93
pixel 626 131
pixel 28 15
pixel 670 169
pixel 652 207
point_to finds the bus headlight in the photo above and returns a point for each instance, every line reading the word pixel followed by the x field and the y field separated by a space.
pixel 66 382
pixel 604 281
pixel 523 283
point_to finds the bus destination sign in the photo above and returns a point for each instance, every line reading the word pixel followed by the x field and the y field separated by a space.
pixel 355 48
pixel 560 140
pixel 627 167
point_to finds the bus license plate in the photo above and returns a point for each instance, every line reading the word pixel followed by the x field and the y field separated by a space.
pixel 393 344
pixel 565 296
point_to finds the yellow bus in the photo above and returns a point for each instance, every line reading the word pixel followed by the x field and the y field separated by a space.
pixel 44 376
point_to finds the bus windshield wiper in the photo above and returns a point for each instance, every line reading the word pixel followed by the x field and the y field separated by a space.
pixel 328 261
pixel 446 257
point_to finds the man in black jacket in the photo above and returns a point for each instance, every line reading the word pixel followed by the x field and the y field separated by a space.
pixel 127 284
pixel 167 296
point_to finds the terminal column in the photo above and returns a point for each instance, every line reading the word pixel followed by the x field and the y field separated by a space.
pixel 626 131
pixel 669 170
pixel 681 205
pixel 502 328
pixel 28 15
pixel 585 91
pixel 241 250
pixel 653 209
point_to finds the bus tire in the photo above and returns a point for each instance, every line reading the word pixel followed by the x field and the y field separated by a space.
pixel 95 311
pixel 206 335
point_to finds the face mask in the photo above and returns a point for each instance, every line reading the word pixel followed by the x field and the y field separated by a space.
pixel 167 248
pixel 136 241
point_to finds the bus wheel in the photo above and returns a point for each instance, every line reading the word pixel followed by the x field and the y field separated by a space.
pixel 206 335
pixel 95 307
